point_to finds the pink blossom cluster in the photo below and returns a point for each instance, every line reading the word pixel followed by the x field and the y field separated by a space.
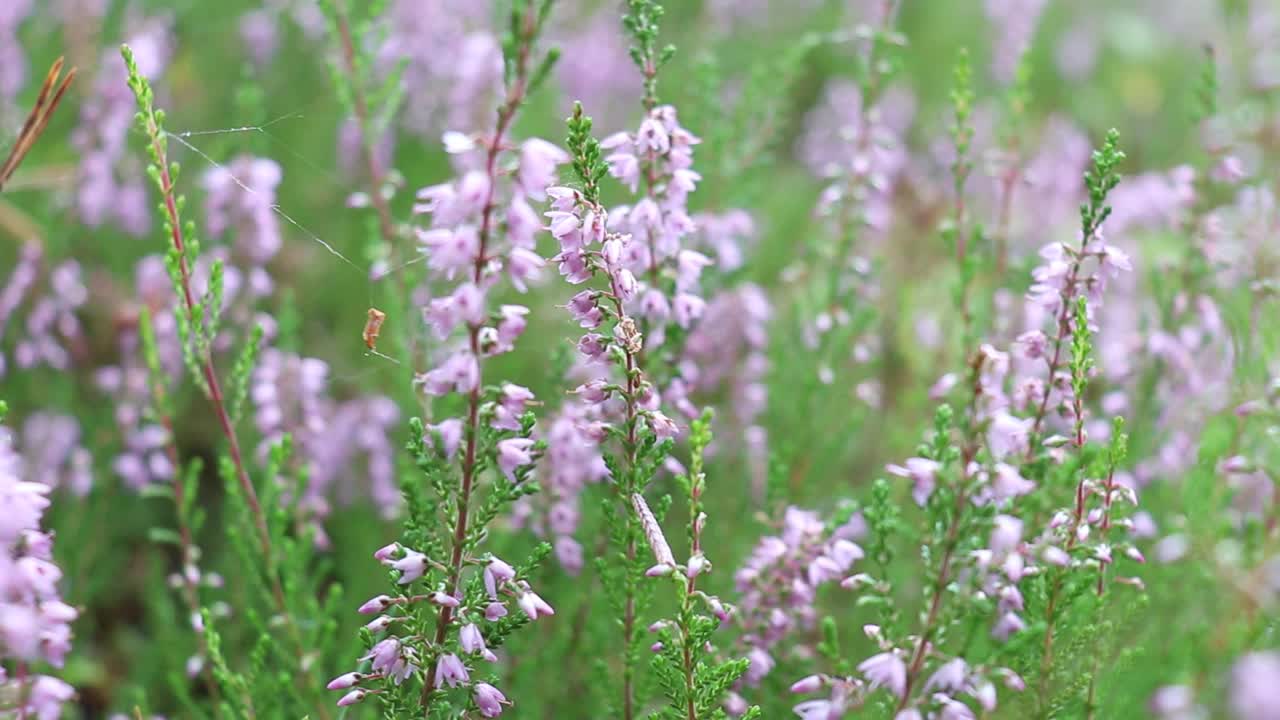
pixel 396 657
pixel 778 587
pixel 49 334
pixel 35 624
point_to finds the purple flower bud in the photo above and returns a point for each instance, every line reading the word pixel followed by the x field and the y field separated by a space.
pixel 342 682
pixel 444 599
pixel 697 564
pixel 532 605
pixel 808 684
pixel 387 551
pixel 494 611
pixel 353 697
pixel 660 570
pixel 375 605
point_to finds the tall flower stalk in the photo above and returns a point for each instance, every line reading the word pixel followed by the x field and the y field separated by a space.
pixel 627 410
pixel 440 619
pixel 198 322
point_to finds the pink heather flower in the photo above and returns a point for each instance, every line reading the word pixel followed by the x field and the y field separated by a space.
pixel 1006 534
pixel 465 305
pixel 386 552
pixel 593 347
pixel 342 682
pixel 524 266
pixel 885 670
pixel 922 472
pixel 352 697
pixel 411 566
pixel 760 664
pixel 523 225
pixel 1009 435
pixel 1055 555
pixel 1008 624
pixel 952 709
pixel 1032 344
pixel 460 373
pixel 538 162
pixel 489 699
pixel 593 392
pixel 585 309
pixel 46 697
pixel 496 573
pixel 573 266
pixel 494 611
pixel 449 251
pixel 570 554
pixel 687 309
pixel 450 671
pixel 514 453
pixel 471 640
pixel 443 599
pixel 532 605
pixel 511 325
pixel 387 656
pixel 512 401
pixel 1008 483
pixel 950 677
pixel 663 426
pixel 820 710
pixel 1174 702
pixel 807 684
pixel 375 605
pixel 1254 681
pixel 654 305
pixel 689 265
pixel 449 433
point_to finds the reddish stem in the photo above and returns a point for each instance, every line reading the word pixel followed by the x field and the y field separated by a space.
pixel 216 398
pixel 1055 364
pixel 506 114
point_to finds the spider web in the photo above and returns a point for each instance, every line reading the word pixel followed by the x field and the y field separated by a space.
pixel 188 140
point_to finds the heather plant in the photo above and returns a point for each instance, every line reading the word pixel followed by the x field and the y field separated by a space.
pixel 598 359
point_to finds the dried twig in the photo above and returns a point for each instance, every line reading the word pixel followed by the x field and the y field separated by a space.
pixel 38 120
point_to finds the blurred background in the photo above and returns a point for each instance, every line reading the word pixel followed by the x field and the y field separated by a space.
pixel 771 87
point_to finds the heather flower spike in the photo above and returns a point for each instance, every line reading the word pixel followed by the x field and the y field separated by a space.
pixel 436 631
